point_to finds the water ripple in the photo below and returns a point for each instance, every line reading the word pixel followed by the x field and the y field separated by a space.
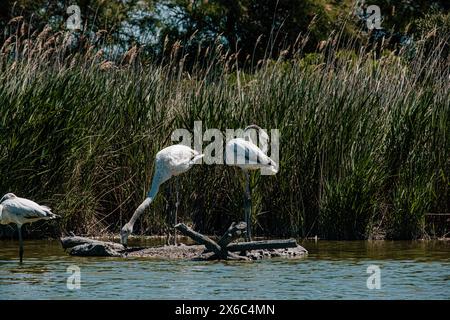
pixel 333 270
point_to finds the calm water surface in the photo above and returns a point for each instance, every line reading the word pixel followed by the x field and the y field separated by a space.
pixel 332 270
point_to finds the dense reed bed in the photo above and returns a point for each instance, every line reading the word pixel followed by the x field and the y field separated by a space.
pixel 365 143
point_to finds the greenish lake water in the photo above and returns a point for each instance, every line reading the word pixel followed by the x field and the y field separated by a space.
pixel 332 270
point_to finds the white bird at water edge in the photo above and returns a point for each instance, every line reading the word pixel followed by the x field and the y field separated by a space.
pixel 20 211
pixel 248 156
pixel 171 161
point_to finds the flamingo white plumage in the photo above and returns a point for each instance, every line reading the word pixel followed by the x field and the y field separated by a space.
pixel 171 161
pixel 246 155
pixel 19 211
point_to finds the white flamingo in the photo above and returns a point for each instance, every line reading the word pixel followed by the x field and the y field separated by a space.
pixel 171 161
pixel 20 211
pixel 246 155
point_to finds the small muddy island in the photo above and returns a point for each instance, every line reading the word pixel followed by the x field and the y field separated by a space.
pixel 226 248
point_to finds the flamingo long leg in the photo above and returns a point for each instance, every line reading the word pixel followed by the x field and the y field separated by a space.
pixel 19 228
pixel 177 191
pixel 248 206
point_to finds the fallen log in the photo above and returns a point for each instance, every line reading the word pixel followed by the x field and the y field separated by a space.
pixel 262 245
pixel 199 238
pixel 81 246
pixel 94 250
pixel 211 245
pixel 70 242
pixel 233 232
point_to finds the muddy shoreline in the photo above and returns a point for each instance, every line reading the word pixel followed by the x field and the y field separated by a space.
pixel 197 252
pixel 85 247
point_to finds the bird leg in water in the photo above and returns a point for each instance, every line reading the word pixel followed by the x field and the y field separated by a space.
pixel 169 208
pixel 19 228
pixel 248 206
pixel 177 191
pixel 167 232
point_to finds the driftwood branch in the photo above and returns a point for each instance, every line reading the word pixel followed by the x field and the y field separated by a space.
pixel 262 245
pixel 94 250
pixel 211 245
pixel 70 242
pixel 224 248
pixel 80 246
pixel 199 238
pixel 233 232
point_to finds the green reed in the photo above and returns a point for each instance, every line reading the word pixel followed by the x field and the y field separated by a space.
pixel 365 143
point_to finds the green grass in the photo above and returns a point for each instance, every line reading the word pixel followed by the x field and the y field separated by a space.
pixel 365 144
